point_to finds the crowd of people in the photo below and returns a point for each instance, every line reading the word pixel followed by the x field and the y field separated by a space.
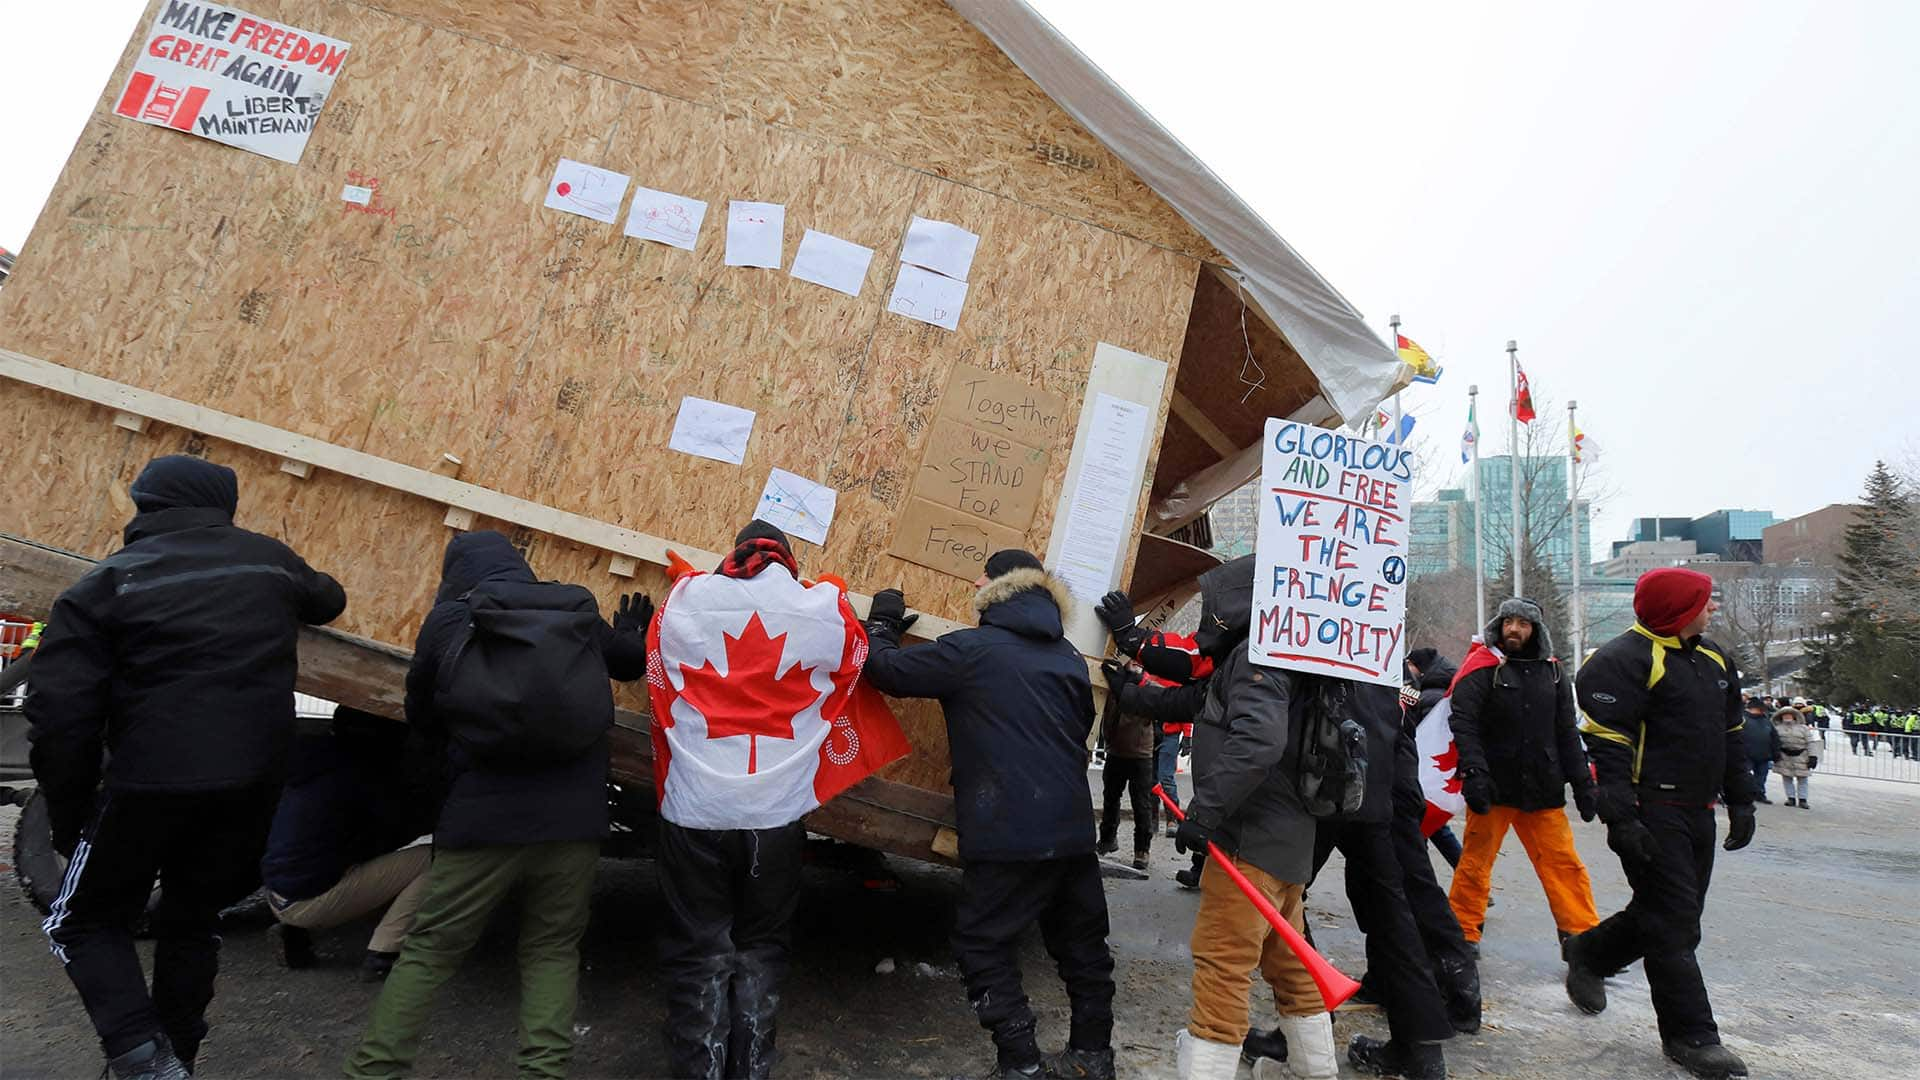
pixel 173 661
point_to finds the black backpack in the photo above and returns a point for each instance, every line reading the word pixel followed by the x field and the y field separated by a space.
pixel 1332 774
pixel 523 684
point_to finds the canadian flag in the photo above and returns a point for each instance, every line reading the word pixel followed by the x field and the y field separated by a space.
pixel 759 715
pixel 1439 757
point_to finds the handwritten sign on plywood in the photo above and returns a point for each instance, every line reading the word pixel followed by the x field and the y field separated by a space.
pixel 1001 403
pixel 983 473
pixel 948 540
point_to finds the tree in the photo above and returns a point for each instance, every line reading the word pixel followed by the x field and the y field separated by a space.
pixel 1871 650
pixel 1440 612
pixel 1761 607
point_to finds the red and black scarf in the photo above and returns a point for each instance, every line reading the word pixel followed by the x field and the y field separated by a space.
pixel 753 556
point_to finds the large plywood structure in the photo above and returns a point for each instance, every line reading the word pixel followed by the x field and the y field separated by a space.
pixel 455 316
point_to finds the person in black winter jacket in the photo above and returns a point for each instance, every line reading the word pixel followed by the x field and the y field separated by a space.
pixel 175 656
pixel 345 836
pixel 1663 727
pixel 1519 748
pixel 1763 745
pixel 1019 709
pixel 532 833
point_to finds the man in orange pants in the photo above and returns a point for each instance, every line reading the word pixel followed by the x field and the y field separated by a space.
pixel 1513 725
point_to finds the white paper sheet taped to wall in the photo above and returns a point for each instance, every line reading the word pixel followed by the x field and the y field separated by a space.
pixel 755 232
pixel 838 264
pixel 587 190
pixel 928 297
pixel 712 429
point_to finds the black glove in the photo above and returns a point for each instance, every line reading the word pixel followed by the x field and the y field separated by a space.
pixel 1616 803
pixel 1583 801
pixel 1115 611
pixel 1191 836
pixel 1813 763
pixel 1477 786
pixel 1739 826
pixel 889 608
pixel 634 615
pixel 1118 674
pixel 1630 840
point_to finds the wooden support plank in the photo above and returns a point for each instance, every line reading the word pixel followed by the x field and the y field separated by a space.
pixel 296 468
pixel 1209 432
pixel 131 422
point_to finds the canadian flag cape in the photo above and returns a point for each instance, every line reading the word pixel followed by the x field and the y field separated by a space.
pixel 759 715
pixel 1439 758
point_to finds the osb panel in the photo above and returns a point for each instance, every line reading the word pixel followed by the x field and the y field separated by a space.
pixel 1216 375
pixel 912 81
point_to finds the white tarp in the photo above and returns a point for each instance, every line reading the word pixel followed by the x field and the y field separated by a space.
pixel 1356 370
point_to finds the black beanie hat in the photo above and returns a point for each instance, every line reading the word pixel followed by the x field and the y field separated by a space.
pixel 181 480
pixel 760 530
pixel 1006 561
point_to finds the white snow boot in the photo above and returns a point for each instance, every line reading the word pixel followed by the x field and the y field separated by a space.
pixel 1199 1059
pixel 1310 1053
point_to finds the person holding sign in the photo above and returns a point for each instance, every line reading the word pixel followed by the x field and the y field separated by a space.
pixel 1245 799
pixel 1664 731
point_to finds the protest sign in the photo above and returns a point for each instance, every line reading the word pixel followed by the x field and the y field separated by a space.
pixel 1330 554
pixel 222 74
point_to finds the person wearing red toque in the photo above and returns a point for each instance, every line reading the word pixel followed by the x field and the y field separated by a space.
pixel 1663 729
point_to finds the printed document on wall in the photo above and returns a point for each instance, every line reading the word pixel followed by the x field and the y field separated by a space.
pixel 1101 514
pixel 583 189
pixel 797 506
pixel 755 232
pixel 712 429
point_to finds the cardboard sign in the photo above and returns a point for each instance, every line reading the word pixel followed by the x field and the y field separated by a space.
pixel 222 74
pixel 983 473
pixel 1004 404
pixel 1330 554
pixel 944 539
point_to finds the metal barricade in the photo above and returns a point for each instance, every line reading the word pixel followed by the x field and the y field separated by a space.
pixel 1873 755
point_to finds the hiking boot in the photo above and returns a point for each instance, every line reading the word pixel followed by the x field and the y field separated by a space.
pixel 1139 860
pixel 1188 878
pixel 1107 846
pixel 1709 1060
pixel 376 966
pixel 154 1060
pixel 293 945
pixel 1074 1063
pixel 1264 1044
pixel 1415 1061
pixel 1586 987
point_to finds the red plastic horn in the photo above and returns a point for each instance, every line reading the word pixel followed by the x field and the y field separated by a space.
pixel 1335 988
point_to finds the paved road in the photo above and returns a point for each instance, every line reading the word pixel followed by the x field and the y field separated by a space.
pixel 1812 934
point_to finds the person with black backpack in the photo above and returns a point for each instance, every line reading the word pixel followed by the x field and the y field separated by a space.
pixel 513 673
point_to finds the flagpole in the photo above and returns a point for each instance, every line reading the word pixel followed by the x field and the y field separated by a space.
pixel 1479 518
pixel 1573 508
pixel 1513 462
pixel 1393 341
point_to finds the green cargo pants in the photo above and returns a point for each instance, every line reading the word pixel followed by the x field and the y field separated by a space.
pixel 554 883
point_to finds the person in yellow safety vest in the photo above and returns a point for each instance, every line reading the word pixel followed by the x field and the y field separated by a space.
pixel 32 641
pixel 1910 727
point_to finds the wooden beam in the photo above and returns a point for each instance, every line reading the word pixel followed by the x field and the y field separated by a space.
pixel 1209 432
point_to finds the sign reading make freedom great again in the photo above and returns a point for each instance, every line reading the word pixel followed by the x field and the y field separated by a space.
pixel 1330 557
pixel 235 78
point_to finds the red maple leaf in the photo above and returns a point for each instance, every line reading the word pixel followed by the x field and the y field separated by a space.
pixel 1448 762
pixel 749 699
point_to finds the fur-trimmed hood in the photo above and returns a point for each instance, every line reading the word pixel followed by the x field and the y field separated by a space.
pixel 1032 603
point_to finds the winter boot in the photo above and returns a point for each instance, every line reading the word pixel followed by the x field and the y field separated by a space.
pixel 1586 987
pixel 1460 987
pixel 1271 1045
pixel 155 1060
pixel 1310 1053
pixel 1415 1061
pixel 1709 1060
pixel 1139 860
pixel 1074 1063
pixel 1107 845
pixel 376 966
pixel 1173 828
pixel 1019 1054
pixel 1199 1059
pixel 1188 878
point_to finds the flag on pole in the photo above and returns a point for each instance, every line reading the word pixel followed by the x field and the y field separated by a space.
pixel 1382 422
pixel 1471 436
pixel 1522 396
pixel 1585 450
pixel 1417 358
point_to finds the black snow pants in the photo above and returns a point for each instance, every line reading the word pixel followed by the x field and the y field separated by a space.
pixel 998 902
pixel 1661 924
pixel 731 895
pixel 1397 961
pixel 1455 969
pixel 1134 775
pixel 205 848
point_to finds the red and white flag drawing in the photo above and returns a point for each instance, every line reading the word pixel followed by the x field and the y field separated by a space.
pixel 1439 758
pixel 758 712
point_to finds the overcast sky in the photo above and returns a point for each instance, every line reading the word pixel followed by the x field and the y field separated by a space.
pixel 1700 220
